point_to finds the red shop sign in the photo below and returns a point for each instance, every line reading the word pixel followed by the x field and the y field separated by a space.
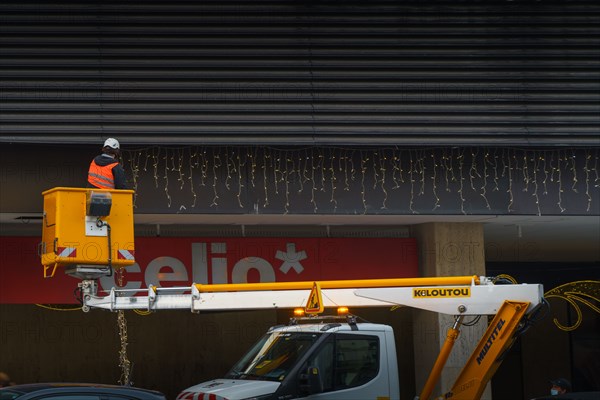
pixel 182 261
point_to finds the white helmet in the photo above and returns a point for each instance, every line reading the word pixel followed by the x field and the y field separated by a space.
pixel 112 143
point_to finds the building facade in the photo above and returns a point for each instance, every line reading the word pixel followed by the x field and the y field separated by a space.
pixel 472 129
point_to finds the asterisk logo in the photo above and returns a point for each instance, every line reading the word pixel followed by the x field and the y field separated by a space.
pixel 291 259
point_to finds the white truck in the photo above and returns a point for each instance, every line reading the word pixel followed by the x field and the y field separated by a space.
pixel 337 358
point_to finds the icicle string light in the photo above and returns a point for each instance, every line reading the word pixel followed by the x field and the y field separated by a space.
pixel 461 179
pixel 265 185
pixel 586 169
pixel 525 172
pixel 314 184
pixel 545 181
pixel 228 177
pixel 446 159
pixel 574 171
pixel 495 168
pixel 155 166
pixel 367 180
pixel 483 188
pixel 192 165
pixel 560 185
pixel 434 182
pixel 166 179
pixel 535 184
pixel 510 183
pixel 240 175
pixel 333 180
pixel 286 179
pixel 216 165
pixel 422 170
pixel 412 184
pixel 363 171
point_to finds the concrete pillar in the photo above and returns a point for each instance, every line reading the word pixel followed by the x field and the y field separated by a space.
pixel 446 249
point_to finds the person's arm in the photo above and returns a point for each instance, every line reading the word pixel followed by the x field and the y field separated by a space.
pixel 119 176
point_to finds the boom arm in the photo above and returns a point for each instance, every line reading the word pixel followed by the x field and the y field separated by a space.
pixel 467 295
pixel 500 335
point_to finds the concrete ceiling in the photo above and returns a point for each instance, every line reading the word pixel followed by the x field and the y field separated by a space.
pixel 566 239
pixel 321 219
pixel 543 227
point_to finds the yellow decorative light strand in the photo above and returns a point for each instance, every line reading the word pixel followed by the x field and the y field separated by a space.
pixel 585 292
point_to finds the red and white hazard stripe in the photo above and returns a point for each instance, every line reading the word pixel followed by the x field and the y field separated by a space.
pixel 125 254
pixel 66 251
pixel 199 396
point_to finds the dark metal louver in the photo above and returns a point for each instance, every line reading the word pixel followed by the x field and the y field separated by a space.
pixel 301 73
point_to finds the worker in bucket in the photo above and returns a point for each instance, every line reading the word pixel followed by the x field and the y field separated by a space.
pixel 105 170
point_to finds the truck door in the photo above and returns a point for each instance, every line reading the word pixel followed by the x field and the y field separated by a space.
pixel 351 366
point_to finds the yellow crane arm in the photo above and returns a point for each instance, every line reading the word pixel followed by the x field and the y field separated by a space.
pixel 485 359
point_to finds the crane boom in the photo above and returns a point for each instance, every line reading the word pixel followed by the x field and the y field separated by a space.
pixel 455 295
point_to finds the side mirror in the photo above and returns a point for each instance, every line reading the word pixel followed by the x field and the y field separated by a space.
pixel 310 381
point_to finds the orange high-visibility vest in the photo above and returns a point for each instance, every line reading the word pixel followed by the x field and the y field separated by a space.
pixel 101 177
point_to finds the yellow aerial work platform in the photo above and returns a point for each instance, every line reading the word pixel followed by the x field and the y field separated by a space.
pixel 87 228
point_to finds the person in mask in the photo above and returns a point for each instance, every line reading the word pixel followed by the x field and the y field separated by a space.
pixel 560 386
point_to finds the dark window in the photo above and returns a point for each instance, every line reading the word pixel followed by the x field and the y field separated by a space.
pixel 348 361
pixel 273 356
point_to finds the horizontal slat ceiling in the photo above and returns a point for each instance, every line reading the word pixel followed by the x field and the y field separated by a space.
pixel 362 73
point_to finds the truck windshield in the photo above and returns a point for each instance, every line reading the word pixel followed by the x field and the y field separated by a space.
pixel 273 356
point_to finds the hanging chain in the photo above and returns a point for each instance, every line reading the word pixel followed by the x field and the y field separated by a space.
pixel 124 362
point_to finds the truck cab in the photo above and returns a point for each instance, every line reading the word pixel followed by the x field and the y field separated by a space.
pixel 332 361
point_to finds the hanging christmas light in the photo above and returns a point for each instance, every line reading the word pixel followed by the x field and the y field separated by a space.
pixel 470 177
